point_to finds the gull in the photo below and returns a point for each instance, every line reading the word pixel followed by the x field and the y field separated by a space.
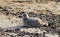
pixel 33 21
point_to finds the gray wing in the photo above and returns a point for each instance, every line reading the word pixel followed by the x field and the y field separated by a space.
pixel 32 22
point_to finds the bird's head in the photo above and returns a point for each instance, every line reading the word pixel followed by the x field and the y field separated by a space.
pixel 25 15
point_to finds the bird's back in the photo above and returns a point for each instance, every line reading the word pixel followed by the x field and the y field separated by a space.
pixel 32 22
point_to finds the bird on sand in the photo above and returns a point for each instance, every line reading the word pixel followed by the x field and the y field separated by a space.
pixel 33 21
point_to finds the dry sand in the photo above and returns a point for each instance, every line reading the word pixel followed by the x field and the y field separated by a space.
pixel 12 21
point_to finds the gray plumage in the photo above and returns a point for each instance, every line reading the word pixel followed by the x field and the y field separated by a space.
pixel 32 21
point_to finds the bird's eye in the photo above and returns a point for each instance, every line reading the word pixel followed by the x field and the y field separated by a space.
pixel 24 15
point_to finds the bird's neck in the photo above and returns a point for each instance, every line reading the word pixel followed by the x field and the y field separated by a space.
pixel 25 19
